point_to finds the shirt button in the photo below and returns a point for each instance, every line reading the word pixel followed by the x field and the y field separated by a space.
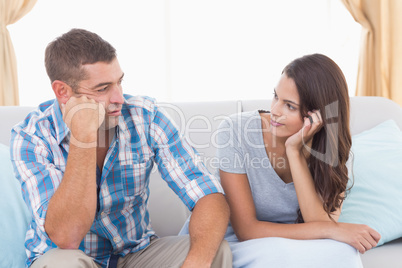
pixel 116 239
pixel 103 214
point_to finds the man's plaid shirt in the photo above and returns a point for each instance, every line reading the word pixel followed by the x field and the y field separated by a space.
pixel 144 136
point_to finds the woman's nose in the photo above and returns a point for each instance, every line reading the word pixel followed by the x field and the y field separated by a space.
pixel 275 110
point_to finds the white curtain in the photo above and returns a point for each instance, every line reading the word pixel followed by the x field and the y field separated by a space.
pixel 380 64
pixel 10 12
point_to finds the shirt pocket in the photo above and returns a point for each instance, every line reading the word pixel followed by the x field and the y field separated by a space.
pixel 134 178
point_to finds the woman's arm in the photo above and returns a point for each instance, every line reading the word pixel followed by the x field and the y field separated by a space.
pixel 310 203
pixel 246 225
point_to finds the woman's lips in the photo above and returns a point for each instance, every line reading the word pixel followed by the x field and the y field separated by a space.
pixel 275 124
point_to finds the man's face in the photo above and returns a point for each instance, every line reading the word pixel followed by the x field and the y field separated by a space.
pixel 103 84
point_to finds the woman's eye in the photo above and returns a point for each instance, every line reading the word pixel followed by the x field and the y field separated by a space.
pixel 291 107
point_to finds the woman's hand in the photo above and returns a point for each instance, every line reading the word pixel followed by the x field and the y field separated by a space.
pixel 359 236
pixel 311 125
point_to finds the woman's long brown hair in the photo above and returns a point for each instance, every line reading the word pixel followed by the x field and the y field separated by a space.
pixel 322 86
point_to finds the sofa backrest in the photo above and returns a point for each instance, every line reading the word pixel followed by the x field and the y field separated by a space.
pixel 198 122
pixel 9 117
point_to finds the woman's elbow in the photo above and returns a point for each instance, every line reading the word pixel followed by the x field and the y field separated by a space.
pixel 245 231
pixel 243 236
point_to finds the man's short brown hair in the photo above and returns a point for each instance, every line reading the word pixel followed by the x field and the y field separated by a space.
pixel 65 56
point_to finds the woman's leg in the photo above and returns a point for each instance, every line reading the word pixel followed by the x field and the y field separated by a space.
pixel 282 252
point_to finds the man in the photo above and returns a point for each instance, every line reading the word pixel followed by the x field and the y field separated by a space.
pixel 84 161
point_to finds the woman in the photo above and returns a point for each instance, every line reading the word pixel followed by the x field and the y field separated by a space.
pixel 288 166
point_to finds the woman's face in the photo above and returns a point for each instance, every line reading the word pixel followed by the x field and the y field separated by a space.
pixel 286 118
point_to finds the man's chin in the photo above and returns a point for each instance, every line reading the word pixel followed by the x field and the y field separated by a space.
pixel 110 122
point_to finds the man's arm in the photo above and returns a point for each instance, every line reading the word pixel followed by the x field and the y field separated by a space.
pixel 200 191
pixel 72 208
pixel 208 223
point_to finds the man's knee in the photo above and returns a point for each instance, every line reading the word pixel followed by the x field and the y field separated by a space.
pixel 64 258
pixel 223 256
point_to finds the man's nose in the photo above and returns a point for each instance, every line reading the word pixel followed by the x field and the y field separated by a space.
pixel 117 95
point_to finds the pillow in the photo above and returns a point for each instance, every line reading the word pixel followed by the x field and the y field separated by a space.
pixel 376 196
pixel 14 215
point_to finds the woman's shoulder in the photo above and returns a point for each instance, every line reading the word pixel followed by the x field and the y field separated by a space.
pixel 243 119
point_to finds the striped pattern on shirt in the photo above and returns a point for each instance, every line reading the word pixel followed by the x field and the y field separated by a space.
pixel 144 136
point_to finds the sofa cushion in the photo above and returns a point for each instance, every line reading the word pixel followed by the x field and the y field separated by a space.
pixel 14 215
pixel 376 196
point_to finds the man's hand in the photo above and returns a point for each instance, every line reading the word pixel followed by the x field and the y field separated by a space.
pixel 83 117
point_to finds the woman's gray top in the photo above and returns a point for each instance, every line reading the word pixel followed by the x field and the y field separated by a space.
pixel 241 150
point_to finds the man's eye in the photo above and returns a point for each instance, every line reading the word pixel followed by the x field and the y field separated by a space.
pixel 102 89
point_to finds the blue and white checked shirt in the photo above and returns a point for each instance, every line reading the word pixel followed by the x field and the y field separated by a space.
pixel 144 136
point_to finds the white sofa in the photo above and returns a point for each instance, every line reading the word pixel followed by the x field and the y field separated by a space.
pixel 199 120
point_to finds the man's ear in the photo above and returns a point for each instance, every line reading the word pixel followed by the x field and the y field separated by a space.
pixel 62 91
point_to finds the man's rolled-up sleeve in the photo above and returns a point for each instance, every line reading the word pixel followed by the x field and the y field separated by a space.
pixel 179 163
